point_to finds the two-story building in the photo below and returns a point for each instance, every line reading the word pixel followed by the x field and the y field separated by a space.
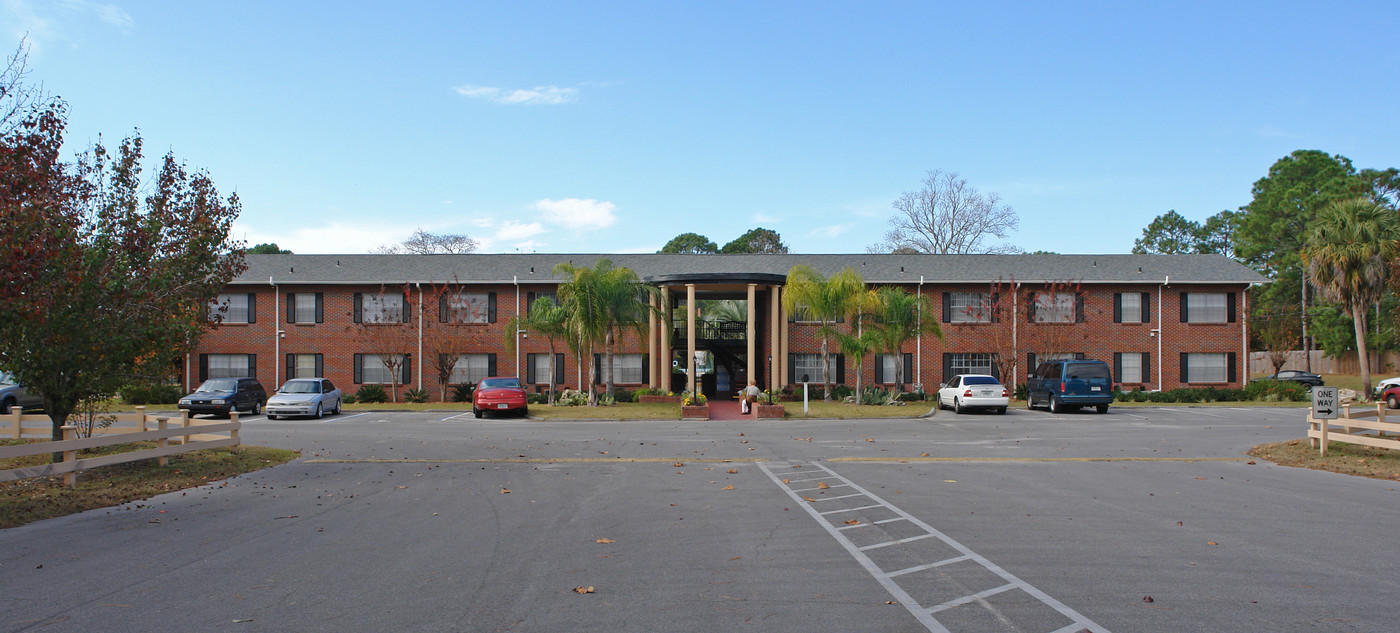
pixel 1161 321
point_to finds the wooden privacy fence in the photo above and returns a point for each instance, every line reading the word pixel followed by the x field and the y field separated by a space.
pixel 187 435
pixel 1354 424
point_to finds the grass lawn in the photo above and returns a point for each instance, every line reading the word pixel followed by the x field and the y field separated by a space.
pixel 40 498
pixel 1344 458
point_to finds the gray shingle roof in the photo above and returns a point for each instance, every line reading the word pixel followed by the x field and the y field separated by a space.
pixel 538 267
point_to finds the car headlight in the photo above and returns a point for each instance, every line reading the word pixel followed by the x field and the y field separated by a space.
pixel 220 401
pixel 184 400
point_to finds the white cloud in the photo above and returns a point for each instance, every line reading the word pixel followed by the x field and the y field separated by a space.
pixel 334 238
pixel 764 218
pixel 47 22
pixel 518 230
pixel 577 214
pixel 835 230
pixel 539 95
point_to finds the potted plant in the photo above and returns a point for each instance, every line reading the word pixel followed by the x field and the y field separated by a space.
pixel 768 406
pixel 694 406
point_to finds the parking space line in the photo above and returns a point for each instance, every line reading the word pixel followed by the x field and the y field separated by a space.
pixel 838 497
pixel 342 417
pixel 923 614
pixel 819 488
pixel 454 417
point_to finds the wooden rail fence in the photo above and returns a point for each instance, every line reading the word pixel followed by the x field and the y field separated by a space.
pixel 183 437
pixel 1353 425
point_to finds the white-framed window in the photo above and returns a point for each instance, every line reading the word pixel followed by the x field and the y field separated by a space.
pixel 537 368
pixel 304 307
pixel 468 307
pixel 228 366
pixel 236 307
pixel 373 371
pixel 1130 367
pixel 470 368
pixel 1207 367
pixel 384 307
pixel 536 295
pixel 1130 307
pixel 304 366
pixel 627 368
pixel 970 363
pixel 811 365
pixel 800 314
pixel 969 307
pixel 1206 307
pixel 1055 307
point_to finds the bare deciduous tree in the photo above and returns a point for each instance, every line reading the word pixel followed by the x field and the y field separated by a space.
pixel 425 243
pixel 17 97
pixel 947 216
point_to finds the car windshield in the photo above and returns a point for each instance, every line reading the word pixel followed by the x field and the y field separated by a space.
pixel 500 383
pixel 301 386
pixel 218 385
pixel 6 378
pixel 1085 371
pixel 980 380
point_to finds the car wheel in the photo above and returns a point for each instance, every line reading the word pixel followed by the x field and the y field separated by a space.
pixel 476 412
pixel 525 412
pixel 271 416
pixel 1103 408
pixel 1055 406
pixel 1030 402
pixel 1001 410
pixel 1392 401
pixel 957 406
pixel 336 410
pixel 257 407
pixel 5 406
pixel 318 410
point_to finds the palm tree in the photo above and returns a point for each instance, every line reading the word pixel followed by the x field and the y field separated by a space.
pixel 860 341
pixel 823 300
pixel 545 318
pixel 902 318
pixel 1349 247
pixel 599 303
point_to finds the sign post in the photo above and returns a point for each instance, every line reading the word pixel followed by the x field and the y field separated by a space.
pixel 1324 403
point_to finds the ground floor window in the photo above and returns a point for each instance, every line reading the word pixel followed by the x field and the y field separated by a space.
pixel 304 366
pixel 371 369
pixel 892 367
pixel 1207 367
pixel 471 368
pixel 1131 367
pixel 809 365
pixel 626 368
pixel 972 363
pixel 537 367
pixel 227 366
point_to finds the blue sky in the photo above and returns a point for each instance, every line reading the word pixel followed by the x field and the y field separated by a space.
pixel 612 127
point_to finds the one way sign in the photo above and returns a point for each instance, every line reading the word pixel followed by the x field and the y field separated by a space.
pixel 1324 403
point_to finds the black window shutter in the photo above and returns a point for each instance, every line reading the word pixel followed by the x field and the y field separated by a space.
pixel 1184 372
pixel 598 369
pixel 491 310
pixel 1230 308
pixel 359 361
pixel 291 308
pixel 530 368
pixel 253 364
pixel 559 369
pixel 320 311
pixel 491 363
pixel 840 369
pixel 908 367
pixel 947 367
pixel 1230 374
pixel 320 369
pixel 1117 307
pixel 291 366
pixel 529 300
pixel 792 370
pixel 880 368
pixel 646 365
pixel 1118 364
pixel 947 309
pixel 1183 307
pixel 442 308
pixel 1030 307
pixel 253 309
pixel 406 376
pixel 1078 307
pixel 992 307
pixel 1146 307
pixel 203 367
pixel 1146 366
pixel 407 310
pixel 359 311
pixel 1030 363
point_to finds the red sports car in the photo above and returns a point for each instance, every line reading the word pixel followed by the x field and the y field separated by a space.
pixel 499 394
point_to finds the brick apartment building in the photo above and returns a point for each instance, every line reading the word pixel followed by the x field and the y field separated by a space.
pixel 1161 321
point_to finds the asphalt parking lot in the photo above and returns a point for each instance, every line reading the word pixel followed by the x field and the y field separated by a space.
pixel 1138 520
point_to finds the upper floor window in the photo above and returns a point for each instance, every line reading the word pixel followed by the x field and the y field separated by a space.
pixel 383 307
pixel 967 307
pixel 238 307
pixel 1132 307
pixel 304 307
pixel 1055 307
pixel 467 307
pixel 1207 307
pixel 533 296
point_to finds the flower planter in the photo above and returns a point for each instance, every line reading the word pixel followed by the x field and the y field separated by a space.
pixel 770 411
pixel 651 399
pixel 695 412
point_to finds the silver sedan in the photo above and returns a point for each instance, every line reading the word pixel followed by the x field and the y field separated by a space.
pixel 304 396
pixel 973 391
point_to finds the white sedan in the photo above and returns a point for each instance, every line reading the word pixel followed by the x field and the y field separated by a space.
pixel 973 391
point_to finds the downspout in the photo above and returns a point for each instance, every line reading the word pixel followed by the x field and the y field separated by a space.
pixel 1161 333
pixel 515 279
pixel 276 334
pixel 420 334
pixel 1015 332
pixel 919 342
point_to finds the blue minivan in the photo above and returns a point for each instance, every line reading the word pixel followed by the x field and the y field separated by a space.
pixel 1066 385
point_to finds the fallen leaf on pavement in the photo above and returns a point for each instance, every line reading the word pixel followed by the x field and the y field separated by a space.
pixel 729 487
pixel 732 471
pixel 785 481
pixel 583 590
pixel 821 485
pixel 505 491
pixel 923 454
pixel 605 540
pixel 678 464
pixel 809 498
pixel 853 522
pixel 1211 543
